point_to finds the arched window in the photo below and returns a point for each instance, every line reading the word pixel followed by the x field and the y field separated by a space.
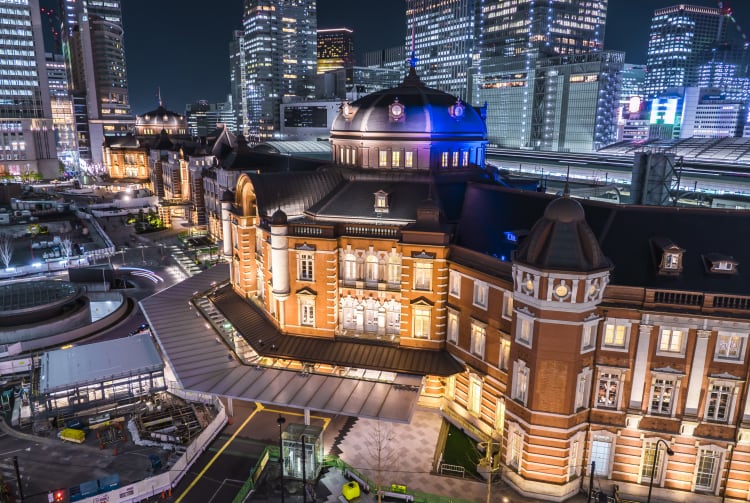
pixel 394 271
pixel 349 271
pixel 371 273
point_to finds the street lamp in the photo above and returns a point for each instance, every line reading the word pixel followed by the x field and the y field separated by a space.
pixel 670 452
pixel 280 421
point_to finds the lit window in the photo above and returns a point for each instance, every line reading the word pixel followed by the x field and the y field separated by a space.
pixel 465 158
pixel 444 160
pixel 730 346
pixel 307 312
pixel 305 266
pixel 662 395
pixel 371 269
pixel 383 159
pixel 408 159
pixel 507 305
pixel 504 353
pixel 350 267
pixel 478 339
pixel 709 461
pixel 422 322
pixel 475 395
pixel 514 448
pixel 671 261
pixel 616 334
pixel 719 402
pixel 394 271
pixel 500 415
pixel 651 467
pixel 395 158
pixel 422 275
pixel 454 160
pixel 520 381
pixel 354 156
pixel 671 340
pixel 481 292
pixel 452 326
pixel 454 283
pixel 608 390
pixel 601 455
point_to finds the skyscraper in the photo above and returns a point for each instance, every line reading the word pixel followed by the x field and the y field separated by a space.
pixel 440 32
pixel 515 37
pixel 335 49
pixel 237 80
pixel 280 57
pixel 93 41
pixel 26 131
pixel 62 110
pixel 680 42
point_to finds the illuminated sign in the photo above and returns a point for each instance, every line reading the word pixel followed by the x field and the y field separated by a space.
pixel 634 105
pixel 664 111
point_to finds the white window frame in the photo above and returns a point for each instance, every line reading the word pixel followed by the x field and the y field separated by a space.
pixel 725 341
pixel 395 158
pixel 453 327
pixel 383 158
pixel 719 387
pixel 372 269
pixel 305 266
pixel 524 330
pixel 672 341
pixel 478 338
pixel 481 295
pixel 657 394
pixel 605 378
pixel 507 305
pixel 521 377
pixel 349 267
pixel 588 336
pixel 574 455
pixel 474 404
pixel 583 389
pixel 408 159
pixel 454 284
pixel 712 452
pixel 499 423
pixel 504 359
pixel 515 446
pixel 422 275
pixel 394 271
pixel 422 319
pixel 647 461
pixel 307 311
pixel 672 260
pixel 597 453
pixel 611 337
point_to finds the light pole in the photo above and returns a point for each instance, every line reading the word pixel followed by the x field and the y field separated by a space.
pixel 280 421
pixel 670 452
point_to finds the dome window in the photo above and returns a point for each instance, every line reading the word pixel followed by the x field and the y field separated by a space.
pixel 396 111
pixel 562 290
pixel 457 111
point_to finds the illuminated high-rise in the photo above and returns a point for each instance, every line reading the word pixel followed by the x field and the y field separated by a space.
pixel 27 143
pixel 680 42
pixel 516 38
pixel 237 80
pixel 279 44
pixel 441 33
pixel 62 109
pixel 335 49
pixel 93 37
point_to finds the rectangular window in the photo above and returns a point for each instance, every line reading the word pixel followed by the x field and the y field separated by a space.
pixel 730 346
pixel 305 266
pixel 500 416
pixel 507 305
pixel 478 339
pixel 521 382
pixel 408 159
pixel 662 395
pixel 422 275
pixel 587 337
pixel 670 340
pixel 583 386
pixel 601 453
pixel 615 334
pixel 465 158
pixel 650 467
pixel 383 159
pixel 354 156
pixel 523 330
pixel 422 322
pixel 396 158
pixel 454 161
pixel 504 353
pixel 514 451
pixel 452 327
pixel 708 465
pixel 481 293
pixel 719 402
pixel 394 271
pixel 475 395
pixel 454 284
pixel 573 460
pixel 608 390
pixel 307 313
pixel 444 160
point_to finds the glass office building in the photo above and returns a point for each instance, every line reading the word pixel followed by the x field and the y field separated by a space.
pixel 335 49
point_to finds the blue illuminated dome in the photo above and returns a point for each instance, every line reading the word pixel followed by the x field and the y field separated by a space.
pixel 409 127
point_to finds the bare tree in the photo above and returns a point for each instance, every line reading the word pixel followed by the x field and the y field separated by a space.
pixel 379 442
pixel 6 249
pixel 66 246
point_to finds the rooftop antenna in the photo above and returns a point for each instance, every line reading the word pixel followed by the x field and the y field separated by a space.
pixel 413 58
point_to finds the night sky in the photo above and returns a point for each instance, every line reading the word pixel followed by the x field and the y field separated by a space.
pixel 183 45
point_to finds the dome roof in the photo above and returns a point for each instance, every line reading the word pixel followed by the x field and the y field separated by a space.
pixel 411 108
pixel 562 240
pixel 279 217
pixel 161 117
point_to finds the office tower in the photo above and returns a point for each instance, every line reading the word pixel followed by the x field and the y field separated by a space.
pixel 727 69
pixel 280 59
pixel 632 78
pixel 335 49
pixel 93 41
pixel 440 32
pixel 680 42
pixel 204 117
pixel 391 57
pixel 63 118
pixel 237 81
pixel 515 37
pixel 27 144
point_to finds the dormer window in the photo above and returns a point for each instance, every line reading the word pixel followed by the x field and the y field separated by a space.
pixel 381 202
pixel 671 256
pixel 720 264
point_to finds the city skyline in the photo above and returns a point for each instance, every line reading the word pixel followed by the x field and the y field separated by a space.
pixel 173 49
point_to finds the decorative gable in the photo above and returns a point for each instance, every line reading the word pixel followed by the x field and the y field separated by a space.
pixel 718 263
pixel 668 255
